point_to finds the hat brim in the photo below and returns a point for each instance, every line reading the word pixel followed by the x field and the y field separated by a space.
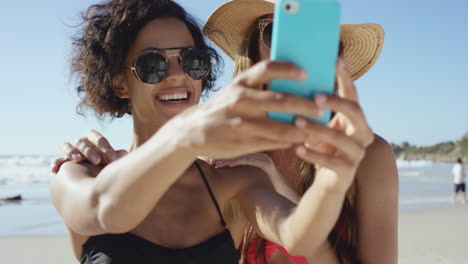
pixel 229 24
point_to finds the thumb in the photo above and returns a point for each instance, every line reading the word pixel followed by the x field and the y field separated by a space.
pixel 121 153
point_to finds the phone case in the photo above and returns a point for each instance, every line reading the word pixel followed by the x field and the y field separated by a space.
pixel 306 33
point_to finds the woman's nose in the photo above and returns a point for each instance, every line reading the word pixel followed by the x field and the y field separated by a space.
pixel 174 70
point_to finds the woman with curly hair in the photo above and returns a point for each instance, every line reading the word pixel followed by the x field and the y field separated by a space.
pixel 160 203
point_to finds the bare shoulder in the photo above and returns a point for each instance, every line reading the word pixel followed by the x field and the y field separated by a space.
pixel 378 166
pixel 376 204
pixel 243 176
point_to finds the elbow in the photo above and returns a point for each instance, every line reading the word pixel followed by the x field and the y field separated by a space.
pixel 109 216
pixel 300 242
pixel 297 246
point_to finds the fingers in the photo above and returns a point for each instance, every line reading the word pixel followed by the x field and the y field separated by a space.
pixel 88 150
pixel 121 153
pixel 323 160
pixel 56 164
pixel 71 152
pixel 268 130
pixel 353 111
pixel 256 159
pixel 263 145
pixel 228 163
pixel 258 103
pixel 102 145
pixel 265 71
pixel 346 88
pixel 352 150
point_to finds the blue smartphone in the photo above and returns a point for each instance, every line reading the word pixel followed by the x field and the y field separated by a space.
pixel 306 33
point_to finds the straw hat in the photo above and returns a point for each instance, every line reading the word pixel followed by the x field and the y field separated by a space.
pixel 228 26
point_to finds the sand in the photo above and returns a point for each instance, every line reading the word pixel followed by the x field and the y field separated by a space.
pixel 436 236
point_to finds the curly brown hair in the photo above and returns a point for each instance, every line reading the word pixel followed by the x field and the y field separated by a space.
pixel 102 44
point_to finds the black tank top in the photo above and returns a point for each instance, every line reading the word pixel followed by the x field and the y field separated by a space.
pixel 129 249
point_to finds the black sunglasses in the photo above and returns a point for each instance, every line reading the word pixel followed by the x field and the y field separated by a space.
pixel 150 67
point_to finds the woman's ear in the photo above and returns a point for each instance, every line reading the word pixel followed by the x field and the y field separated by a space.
pixel 120 86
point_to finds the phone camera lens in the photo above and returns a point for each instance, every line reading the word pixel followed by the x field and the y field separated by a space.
pixel 291 7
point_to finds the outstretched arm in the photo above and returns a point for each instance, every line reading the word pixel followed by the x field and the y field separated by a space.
pixel 233 123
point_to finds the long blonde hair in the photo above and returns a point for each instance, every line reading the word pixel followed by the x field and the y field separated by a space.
pixel 343 236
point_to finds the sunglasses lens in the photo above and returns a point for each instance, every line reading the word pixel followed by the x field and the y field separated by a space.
pixel 196 63
pixel 267 32
pixel 151 68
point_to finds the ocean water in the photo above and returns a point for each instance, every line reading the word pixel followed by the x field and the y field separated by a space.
pixel 422 185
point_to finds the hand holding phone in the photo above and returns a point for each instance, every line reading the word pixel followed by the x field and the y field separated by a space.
pixel 306 33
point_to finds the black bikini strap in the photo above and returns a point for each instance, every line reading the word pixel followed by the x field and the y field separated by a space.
pixel 211 193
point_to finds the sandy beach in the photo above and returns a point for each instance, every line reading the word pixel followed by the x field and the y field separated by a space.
pixel 425 237
pixel 27 250
pixel 434 236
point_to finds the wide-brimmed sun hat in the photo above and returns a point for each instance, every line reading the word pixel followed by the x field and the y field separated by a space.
pixel 229 24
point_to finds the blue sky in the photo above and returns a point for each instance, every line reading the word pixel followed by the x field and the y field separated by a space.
pixel 417 91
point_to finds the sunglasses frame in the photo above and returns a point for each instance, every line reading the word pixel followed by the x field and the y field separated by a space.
pixel 158 51
pixel 262 24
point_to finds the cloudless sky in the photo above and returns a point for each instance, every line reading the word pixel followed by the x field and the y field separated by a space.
pixel 416 92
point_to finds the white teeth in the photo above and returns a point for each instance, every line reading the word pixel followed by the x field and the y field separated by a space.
pixel 176 96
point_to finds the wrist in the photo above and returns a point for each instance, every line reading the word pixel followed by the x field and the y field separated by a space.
pixel 330 189
pixel 176 140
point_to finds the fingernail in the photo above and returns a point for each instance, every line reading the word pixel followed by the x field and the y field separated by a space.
pixel 95 158
pixel 301 122
pixel 320 99
pixel 114 157
pixel 309 146
pixel 301 150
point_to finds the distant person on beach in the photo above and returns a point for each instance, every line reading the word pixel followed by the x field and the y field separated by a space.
pixel 458 172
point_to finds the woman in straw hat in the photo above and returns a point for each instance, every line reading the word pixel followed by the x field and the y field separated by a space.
pixel 306 171
pixel 242 29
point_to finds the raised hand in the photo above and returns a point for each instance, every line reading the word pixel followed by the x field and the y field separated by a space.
pixel 337 148
pixel 94 148
pixel 235 123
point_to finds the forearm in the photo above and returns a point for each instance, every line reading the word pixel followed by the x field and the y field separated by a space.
pixel 313 219
pixel 280 185
pixel 128 189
